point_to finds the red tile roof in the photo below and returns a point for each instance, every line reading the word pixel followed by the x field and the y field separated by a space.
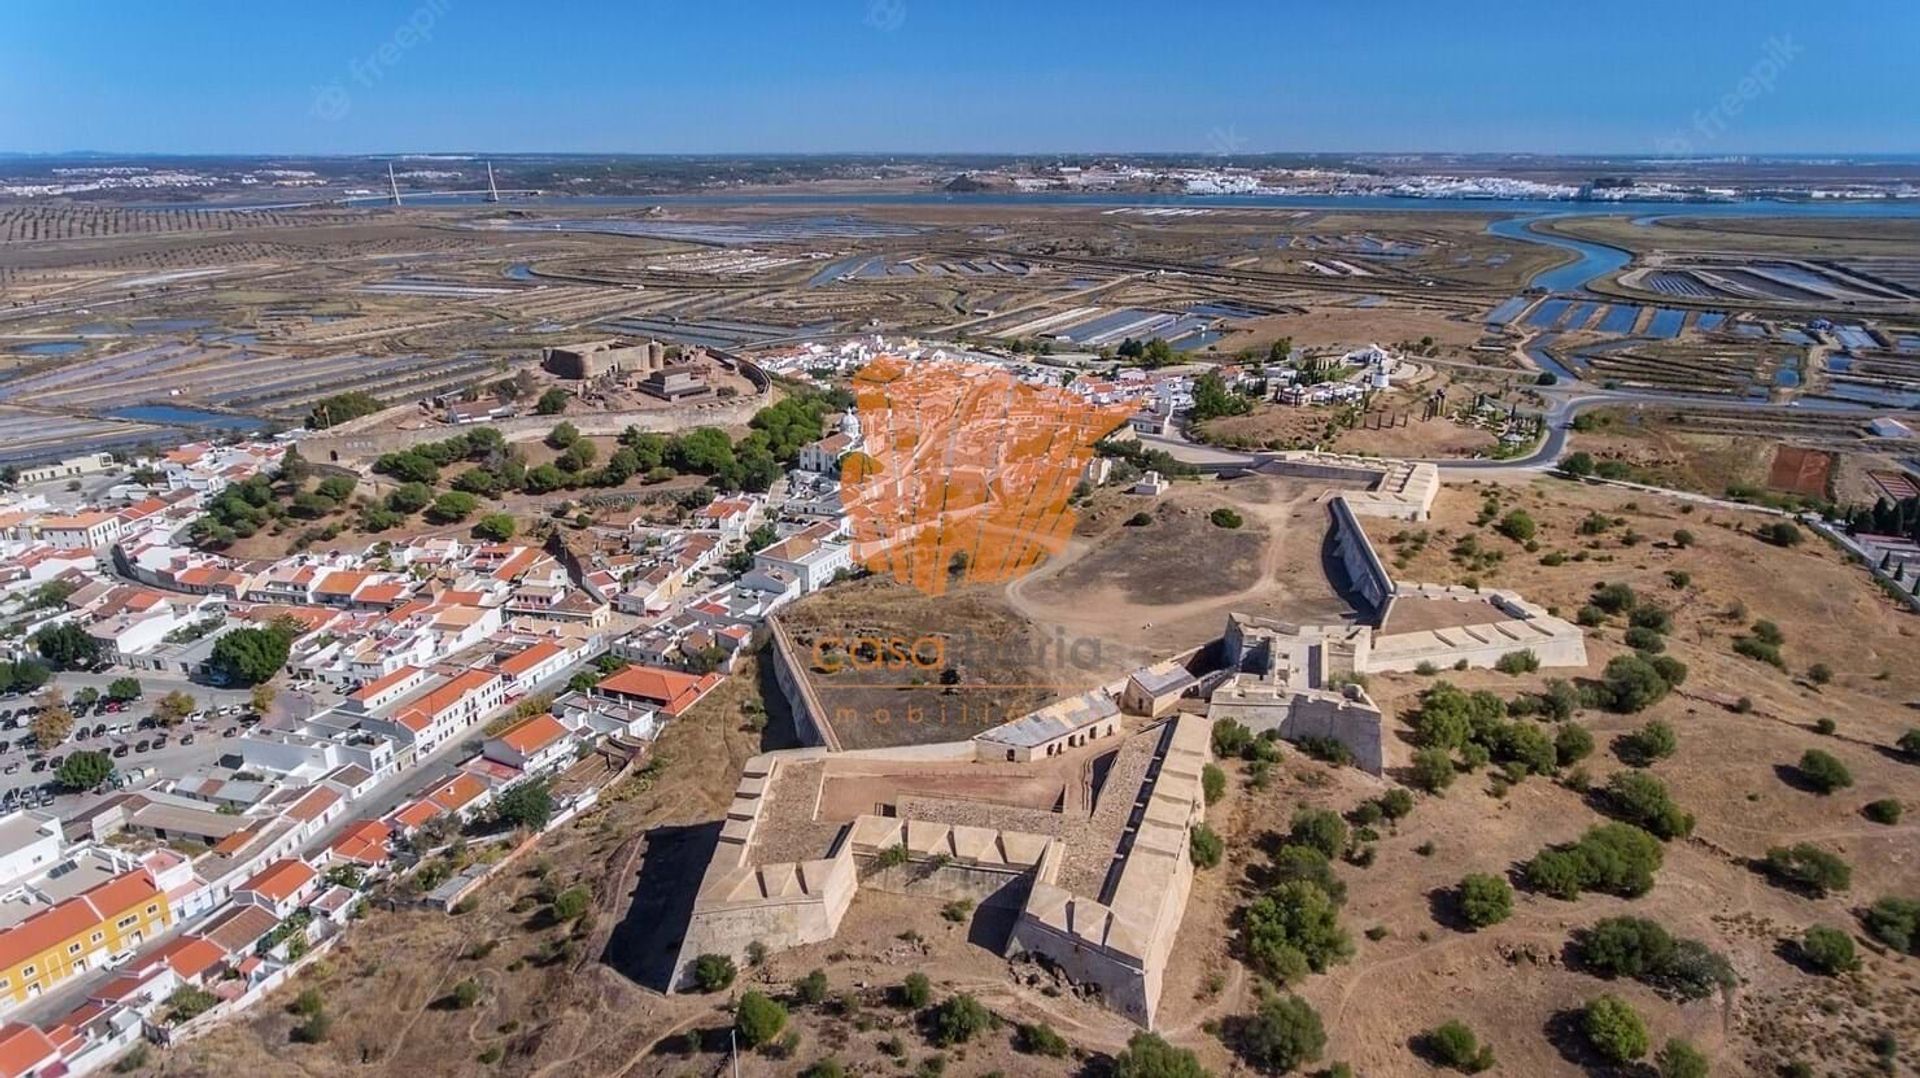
pixel 530 735
pixel 521 662
pixel 669 690
pixel 363 842
pixel 281 880
pixel 190 956
pixel 23 1048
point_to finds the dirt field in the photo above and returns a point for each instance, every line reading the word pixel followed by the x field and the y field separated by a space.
pixel 1004 666
pixel 1145 592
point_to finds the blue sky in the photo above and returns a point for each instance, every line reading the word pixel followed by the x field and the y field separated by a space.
pixel 1704 76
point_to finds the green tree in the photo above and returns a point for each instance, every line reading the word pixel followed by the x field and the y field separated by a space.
pixel 758 1019
pixel 1809 868
pixel 453 507
pixel 409 498
pixel 1624 947
pixel 1293 929
pixel 572 904
pixel 1640 798
pixel 1632 684
pixel 1614 1029
pixel 497 527
pixel 1654 741
pixel 1039 1039
pixel 1681 1060
pixel 84 770
pixel 1828 950
pixel 1824 772
pixel 1147 1055
pixel 1485 900
pixel 713 972
pixel 1205 847
pixel 915 990
pixel 1518 526
pixel 1571 744
pixel 1452 1044
pixel 1284 1035
pixel 1213 783
pixel 173 708
pixel 123 690
pixel 1433 769
pixel 1320 829
pixel 1896 923
pixel 552 402
pixel 958 1019
pixel 812 989
pixel 249 656
pixel 67 646
pixel 526 804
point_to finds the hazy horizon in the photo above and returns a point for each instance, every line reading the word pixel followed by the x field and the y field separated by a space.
pixel 917 77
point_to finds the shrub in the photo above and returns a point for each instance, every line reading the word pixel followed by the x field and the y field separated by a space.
pixel 1828 950
pixel 1293 929
pixel 1896 923
pixel 1284 1034
pixel 1824 726
pixel 1820 673
pixel 1631 684
pixel 466 994
pixel 1213 783
pixel 1645 640
pixel 713 972
pixel 1759 651
pixel 1693 971
pixel 1320 829
pixel 1809 868
pixel 1452 1044
pixel 1681 1060
pixel 1485 900
pixel 1624 947
pixel 1781 533
pixel 1615 598
pixel 957 910
pixel 1396 803
pixel 1205 847
pixel 1230 738
pixel 825 1068
pixel 1823 772
pixel 314 1030
pixel 958 1019
pixel 1139 520
pixel 1039 1039
pixel 1432 770
pixel 1590 616
pixel 1571 744
pixel 1909 744
pixel 1654 741
pixel 1886 811
pixel 1518 662
pixel 915 990
pixel 571 904
pixel 1295 862
pixel 1616 858
pixel 811 989
pixel 1426 669
pixel 1614 1029
pixel 1518 526
pixel 1224 517
pixel 1670 669
pixel 758 1019
pixel 1147 1055
pixel 1642 799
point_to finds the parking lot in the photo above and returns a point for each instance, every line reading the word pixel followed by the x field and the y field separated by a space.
pixel 27 774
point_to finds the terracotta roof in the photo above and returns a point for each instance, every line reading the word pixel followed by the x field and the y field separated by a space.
pixel 415 814
pixel 190 956
pixel 281 880
pixel 519 663
pixel 341 582
pixel 532 734
pixel 672 691
pixel 420 712
pixel 457 792
pixel 239 928
pixel 23 1048
pixel 314 804
pixel 381 593
pixel 364 842
pixel 379 685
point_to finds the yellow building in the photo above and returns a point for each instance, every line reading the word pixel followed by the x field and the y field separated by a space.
pixel 79 934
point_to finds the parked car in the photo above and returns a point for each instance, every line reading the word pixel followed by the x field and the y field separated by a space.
pixel 13 768
pixel 39 765
pixel 120 750
pixel 160 742
pixel 100 729
pixel 142 745
pixel 231 731
pixel 186 739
